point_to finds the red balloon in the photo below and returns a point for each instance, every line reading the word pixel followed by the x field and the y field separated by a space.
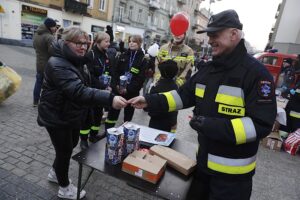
pixel 179 24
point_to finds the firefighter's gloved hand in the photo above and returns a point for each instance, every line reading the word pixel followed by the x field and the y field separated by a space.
pixel 197 123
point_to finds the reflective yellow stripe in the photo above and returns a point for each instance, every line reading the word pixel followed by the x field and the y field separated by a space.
pixel 110 121
pixel 294 114
pixel 230 95
pixel 244 130
pixel 231 110
pixel 200 89
pixel 173 130
pixel 191 58
pixel 239 131
pixel 171 101
pixel 179 81
pixel 230 165
pixel 135 70
pixel 174 100
pixel 95 128
pixel 85 132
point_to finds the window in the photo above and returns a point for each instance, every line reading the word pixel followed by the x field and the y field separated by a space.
pixel 66 23
pixel 162 23
pixel 121 12
pixel 90 3
pixel 130 12
pixel 102 5
pixel 139 16
pixel 270 60
pixel 76 24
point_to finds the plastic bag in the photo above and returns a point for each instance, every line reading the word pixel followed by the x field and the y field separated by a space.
pixel 10 82
pixel 292 143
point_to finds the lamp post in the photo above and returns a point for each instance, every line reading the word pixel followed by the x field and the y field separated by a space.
pixel 210 2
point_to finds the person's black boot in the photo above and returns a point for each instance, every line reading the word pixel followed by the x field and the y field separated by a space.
pixel 96 137
pixel 84 144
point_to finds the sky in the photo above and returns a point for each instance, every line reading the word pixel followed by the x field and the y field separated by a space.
pixel 257 17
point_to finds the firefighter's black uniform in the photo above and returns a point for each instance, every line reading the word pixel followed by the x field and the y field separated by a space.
pixel 293 112
pixel 163 120
pixel 98 64
pixel 137 71
pixel 235 95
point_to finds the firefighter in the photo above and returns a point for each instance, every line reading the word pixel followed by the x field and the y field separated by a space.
pixel 100 70
pixel 235 107
pixel 132 65
pixel 293 112
pixel 180 53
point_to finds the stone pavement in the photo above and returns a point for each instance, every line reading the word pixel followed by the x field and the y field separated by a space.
pixel 26 153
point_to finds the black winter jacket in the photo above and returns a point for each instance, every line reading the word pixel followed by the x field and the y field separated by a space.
pixel 137 70
pixel 66 96
pixel 98 64
pixel 235 94
pixel 164 85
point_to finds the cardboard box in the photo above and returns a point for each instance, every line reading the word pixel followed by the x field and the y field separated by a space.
pixel 273 141
pixel 144 165
pixel 176 160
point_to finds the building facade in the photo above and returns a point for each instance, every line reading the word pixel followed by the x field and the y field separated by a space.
pixel 20 19
pixel 148 18
pixel 285 35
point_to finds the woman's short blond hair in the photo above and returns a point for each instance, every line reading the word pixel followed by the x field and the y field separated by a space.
pixel 99 36
pixel 136 38
pixel 72 33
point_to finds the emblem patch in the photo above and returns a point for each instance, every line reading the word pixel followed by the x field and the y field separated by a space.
pixel 265 89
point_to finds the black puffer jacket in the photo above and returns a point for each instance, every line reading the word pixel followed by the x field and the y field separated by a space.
pixel 137 70
pixel 65 96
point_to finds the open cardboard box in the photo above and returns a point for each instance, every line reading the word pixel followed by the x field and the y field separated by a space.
pixel 144 165
pixel 273 141
pixel 176 160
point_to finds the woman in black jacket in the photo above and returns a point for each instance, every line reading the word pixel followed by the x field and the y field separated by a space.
pixel 131 64
pixel 64 103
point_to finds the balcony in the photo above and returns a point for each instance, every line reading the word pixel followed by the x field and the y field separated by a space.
pixel 197 12
pixel 196 26
pixel 154 4
pixel 181 1
pixel 76 7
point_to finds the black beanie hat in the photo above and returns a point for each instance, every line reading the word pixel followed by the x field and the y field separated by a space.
pixel 49 22
pixel 168 69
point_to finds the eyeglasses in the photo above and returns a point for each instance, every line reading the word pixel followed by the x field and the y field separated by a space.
pixel 80 44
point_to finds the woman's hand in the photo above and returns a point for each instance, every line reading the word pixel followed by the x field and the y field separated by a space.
pixel 119 102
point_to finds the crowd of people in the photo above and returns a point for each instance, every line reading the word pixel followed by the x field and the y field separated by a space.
pixel 233 95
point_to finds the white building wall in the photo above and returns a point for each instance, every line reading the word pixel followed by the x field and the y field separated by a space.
pixel 10 21
pixel 88 22
pixel 287 38
pixel 136 31
pixel 289 25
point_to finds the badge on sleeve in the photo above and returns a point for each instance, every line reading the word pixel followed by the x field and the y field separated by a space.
pixel 265 90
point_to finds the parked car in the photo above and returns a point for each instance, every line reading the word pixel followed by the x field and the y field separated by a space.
pixel 273 62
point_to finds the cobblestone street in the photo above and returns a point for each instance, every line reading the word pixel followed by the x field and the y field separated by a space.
pixel 26 152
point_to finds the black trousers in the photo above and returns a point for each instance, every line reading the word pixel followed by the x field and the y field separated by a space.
pixel 63 140
pixel 208 187
pixel 92 123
